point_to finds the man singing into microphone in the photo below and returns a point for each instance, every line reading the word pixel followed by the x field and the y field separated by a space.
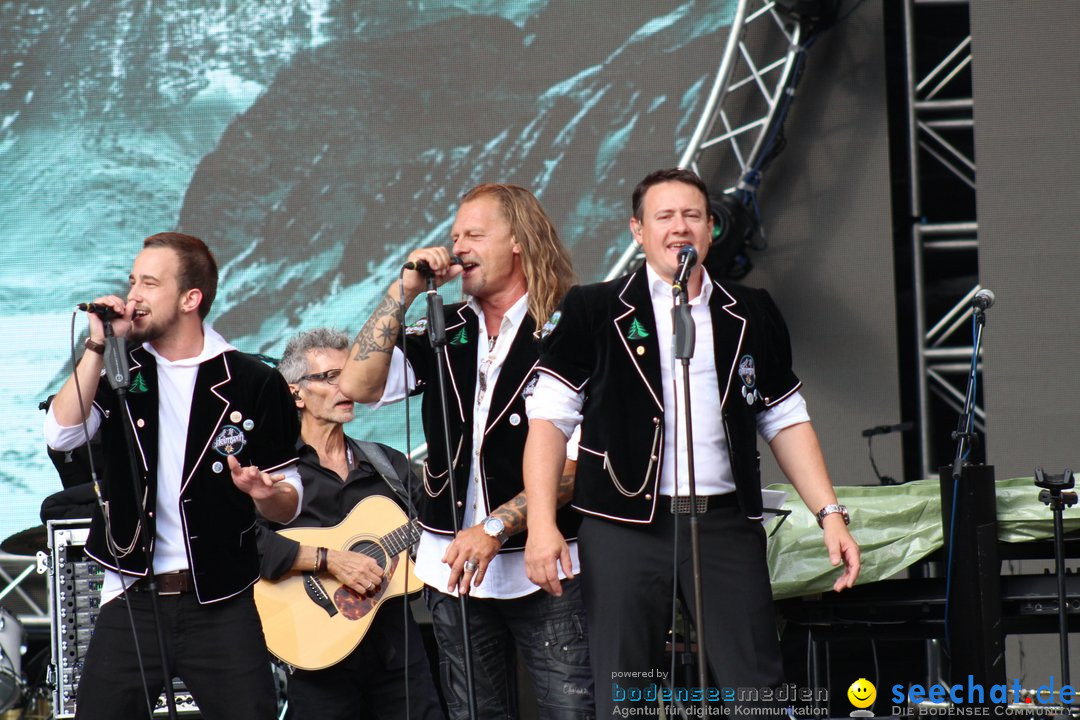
pixel 514 270
pixel 215 442
pixel 608 365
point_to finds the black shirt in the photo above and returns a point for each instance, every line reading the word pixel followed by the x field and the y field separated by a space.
pixel 328 500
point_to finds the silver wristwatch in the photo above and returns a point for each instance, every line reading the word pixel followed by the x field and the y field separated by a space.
pixel 496 528
pixel 829 510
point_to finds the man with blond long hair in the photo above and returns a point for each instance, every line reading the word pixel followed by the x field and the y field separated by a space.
pixel 514 271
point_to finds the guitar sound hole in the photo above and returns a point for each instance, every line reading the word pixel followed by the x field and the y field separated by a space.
pixel 365 547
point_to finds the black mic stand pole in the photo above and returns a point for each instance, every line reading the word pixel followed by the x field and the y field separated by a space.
pixel 437 337
pixel 116 370
pixel 1056 494
pixel 685 338
pixel 964 435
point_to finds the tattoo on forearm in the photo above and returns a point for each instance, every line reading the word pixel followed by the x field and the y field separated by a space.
pixel 566 489
pixel 381 330
pixel 514 511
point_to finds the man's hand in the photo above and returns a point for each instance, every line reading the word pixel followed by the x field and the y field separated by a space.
pixel 359 572
pixel 275 500
pixel 475 547
pixel 842 548
pixel 120 326
pixel 439 260
pixel 545 551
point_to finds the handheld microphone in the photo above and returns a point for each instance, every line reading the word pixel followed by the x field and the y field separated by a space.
pixel 982 300
pixel 687 260
pixel 422 267
pixel 102 311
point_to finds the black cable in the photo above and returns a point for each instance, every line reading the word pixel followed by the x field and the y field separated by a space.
pixel 108 523
pixel 410 509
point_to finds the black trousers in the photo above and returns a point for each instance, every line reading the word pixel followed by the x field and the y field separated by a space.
pixel 371 681
pixel 549 632
pixel 627 575
pixel 217 650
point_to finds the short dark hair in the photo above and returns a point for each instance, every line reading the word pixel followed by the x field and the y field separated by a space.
pixel 662 176
pixel 198 269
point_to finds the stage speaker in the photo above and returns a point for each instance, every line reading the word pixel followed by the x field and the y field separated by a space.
pixel 74 595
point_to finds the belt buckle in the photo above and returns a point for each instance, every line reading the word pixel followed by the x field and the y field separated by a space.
pixel 680 504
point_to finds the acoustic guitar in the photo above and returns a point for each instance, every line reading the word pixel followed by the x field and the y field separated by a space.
pixel 314 621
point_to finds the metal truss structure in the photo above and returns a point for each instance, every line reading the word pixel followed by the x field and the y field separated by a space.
pixel 742 118
pixel 942 165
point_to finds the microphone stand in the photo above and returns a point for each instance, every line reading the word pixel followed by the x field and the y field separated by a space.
pixel 118 375
pixel 437 338
pixel 964 434
pixel 685 337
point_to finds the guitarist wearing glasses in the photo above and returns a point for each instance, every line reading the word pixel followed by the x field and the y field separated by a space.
pixel 339 572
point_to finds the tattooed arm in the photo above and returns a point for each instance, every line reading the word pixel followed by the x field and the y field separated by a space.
pixel 368 364
pixel 514 512
pixel 474 545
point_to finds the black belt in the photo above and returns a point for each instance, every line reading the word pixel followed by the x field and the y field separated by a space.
pixel 173 583
pixel 680 505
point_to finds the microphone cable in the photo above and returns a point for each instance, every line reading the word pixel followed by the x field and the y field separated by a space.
pixel 109 541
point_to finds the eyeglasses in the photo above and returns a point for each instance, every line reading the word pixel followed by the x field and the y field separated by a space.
pixel 330 377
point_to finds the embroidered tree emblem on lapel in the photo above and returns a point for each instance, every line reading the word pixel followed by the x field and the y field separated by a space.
pixel 461 337
pixel 138 385
pixel 637 331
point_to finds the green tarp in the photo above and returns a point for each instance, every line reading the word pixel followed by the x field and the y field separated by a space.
pixel 895 526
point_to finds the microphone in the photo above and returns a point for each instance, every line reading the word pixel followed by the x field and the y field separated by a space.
pixel 982 300
pixel 102 311
pixel 422 267
pixel 687 261
pixel 886 429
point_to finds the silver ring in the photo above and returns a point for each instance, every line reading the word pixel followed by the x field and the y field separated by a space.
pixel 471 566
pixel 371 586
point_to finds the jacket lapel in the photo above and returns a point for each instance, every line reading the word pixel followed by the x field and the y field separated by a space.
pixel 208 409
pixel 636 328
pixel 516 370
pixel 462 337
pixel 142 404
pixel 729 327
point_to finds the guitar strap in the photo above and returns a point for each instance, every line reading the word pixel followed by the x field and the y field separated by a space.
pixel 381 462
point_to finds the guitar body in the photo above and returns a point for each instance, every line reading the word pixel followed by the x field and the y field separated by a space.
pixel 313 621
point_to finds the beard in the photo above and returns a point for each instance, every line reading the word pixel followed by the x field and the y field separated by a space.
pixel 148 334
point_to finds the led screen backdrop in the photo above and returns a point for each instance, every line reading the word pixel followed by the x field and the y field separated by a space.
pixel 313 144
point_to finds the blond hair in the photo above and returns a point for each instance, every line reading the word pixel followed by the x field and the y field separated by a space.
pixel 549 273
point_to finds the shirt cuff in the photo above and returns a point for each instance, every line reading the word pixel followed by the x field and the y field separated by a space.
pixel 556 402
pixel 789 411
pixel 63 438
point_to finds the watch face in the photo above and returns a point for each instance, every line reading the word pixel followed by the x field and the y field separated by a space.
pixel 494 526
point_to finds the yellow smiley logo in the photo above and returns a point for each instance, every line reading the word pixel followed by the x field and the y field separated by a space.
pixel 862 693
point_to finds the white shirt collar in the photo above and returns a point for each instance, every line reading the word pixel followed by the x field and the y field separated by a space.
pixel 511 319
pixel 213 345
pixel 660 289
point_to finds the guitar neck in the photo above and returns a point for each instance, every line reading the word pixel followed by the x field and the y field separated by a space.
pixel 405 536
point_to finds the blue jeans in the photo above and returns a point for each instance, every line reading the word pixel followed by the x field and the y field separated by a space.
pixel 550 632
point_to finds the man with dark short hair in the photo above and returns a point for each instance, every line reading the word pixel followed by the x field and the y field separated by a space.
pixel 215 433
pixel 608 365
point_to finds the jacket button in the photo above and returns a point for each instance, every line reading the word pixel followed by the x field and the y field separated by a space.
pixel 656 421
pixel 648 496
pixel 140 423
pixel 460 503
pixel 654 458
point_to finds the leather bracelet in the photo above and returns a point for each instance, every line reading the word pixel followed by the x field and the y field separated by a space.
pixel 320 559
pixel 92 346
